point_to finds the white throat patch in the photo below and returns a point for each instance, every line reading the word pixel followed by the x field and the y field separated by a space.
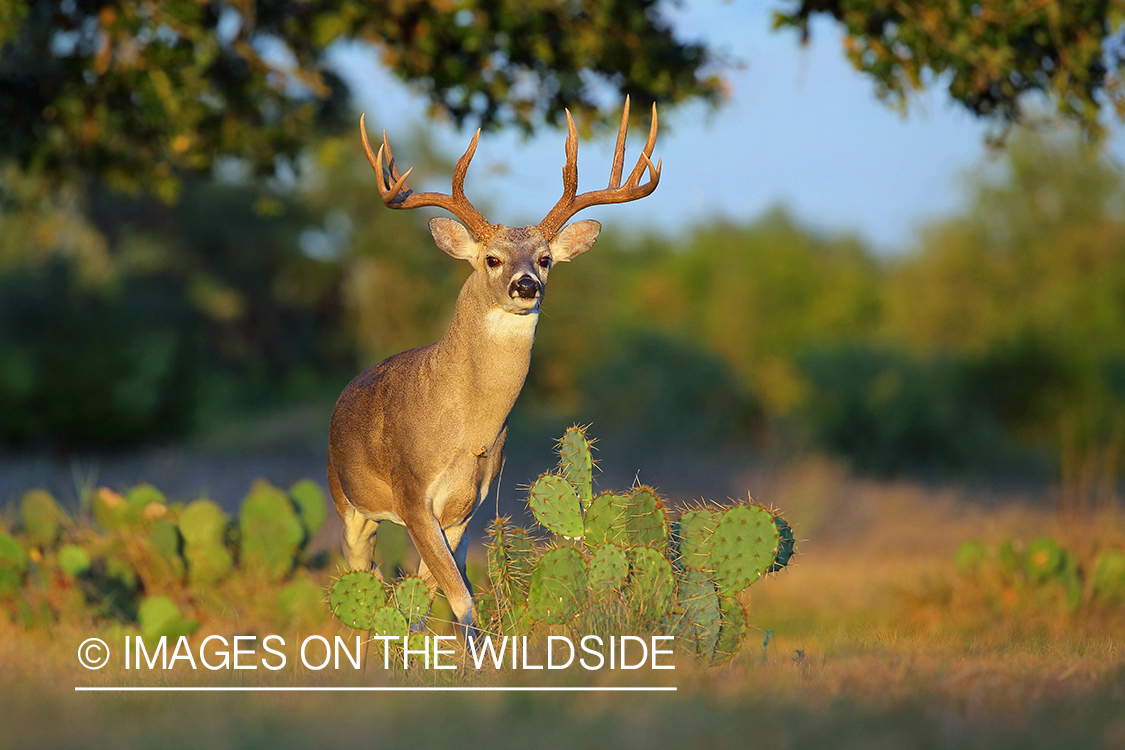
pixel 501 324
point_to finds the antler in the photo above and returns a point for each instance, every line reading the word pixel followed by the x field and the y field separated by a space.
pixel 395 193
pixel 570 204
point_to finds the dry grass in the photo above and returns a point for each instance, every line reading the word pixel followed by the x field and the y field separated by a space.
pixel 867 650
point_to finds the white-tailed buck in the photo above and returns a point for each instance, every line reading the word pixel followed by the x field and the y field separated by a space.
pixel 418 438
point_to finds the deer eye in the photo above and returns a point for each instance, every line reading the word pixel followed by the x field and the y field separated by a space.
pixel 492 261
pixel 545 261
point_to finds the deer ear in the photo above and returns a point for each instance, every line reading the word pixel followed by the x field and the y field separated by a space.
pixel 574 239
pixel 454 238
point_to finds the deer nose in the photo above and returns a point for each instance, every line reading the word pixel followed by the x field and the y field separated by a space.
pixel 526 287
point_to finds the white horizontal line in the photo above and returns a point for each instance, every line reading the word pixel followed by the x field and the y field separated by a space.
pixel 375 689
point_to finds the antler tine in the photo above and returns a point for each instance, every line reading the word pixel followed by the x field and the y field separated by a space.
pixel 646 152
pixel 570 203
pixel 395 193
pixel 619 150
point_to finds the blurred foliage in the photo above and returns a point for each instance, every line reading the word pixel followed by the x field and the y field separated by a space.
pixel 134 92
pixel 997 344
pixel 992 56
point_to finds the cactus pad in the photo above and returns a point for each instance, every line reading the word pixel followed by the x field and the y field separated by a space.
pixel 311 507
pixel 1109 576
pixel 412 596
pixel 608 568
pixel 1044 559
pixel 558 582
pixel 576 464
pixel 41 517
pixel 73 560
pixel 605 520
pixel 159 616
pixel 511 555
pixel 786 544
pixel 743 547
pixel 355 596
pixel 271 532
pixel 555 504
pixel 698 605
pixel 388 621
pixel 646 522
pixel 732 629
pixel 694 537
pixel 203 525
pixel 650 585
pixel 13 562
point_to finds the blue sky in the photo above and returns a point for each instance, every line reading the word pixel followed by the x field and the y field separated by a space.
pixel 802 130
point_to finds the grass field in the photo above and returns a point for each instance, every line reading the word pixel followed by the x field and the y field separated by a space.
pixel 876 643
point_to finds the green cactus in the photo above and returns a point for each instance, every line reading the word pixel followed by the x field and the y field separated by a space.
pixel 555 504
pixel 646 522
pixel 732 630
pixel 511 555
pixel 487 609
pixel 651 585
pixel 301 603
pixel 159 616
pixel 311 506
pixel 558 583
pixel 1010 556
pixel 388 620
pixel 390 552
pixel 355 596
pixel 576 464
pixel 73 560
pixel 608 568
pixel 971 557
pixel 744 546
pixel 694 538
pixel 203 525
pixel 1109 577
pixel 111 510
pixel 412 596
pixel 606 519
pixel 42 518
pixel 699 612
pixel 271 532
pixel 786 544
pixel 13 563
pixel 165 538
pixel 1044 560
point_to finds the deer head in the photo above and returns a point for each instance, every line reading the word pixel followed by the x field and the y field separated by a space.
pixel 513 262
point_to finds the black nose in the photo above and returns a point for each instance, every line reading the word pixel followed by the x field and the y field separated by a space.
pixel 526 287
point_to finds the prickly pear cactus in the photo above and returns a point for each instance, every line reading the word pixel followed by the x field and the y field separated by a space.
pixel 555 505
pixel 311 507
pixel 300 603
pixel 412 596
pixel 42 518
pixel 743 547
pixel 388 621
pixel 355 596
pixel 203 526
pixel 1109 576
pixel 159 616
pixel 699 614
pixel 73 560
pixel 651 585
pixel 694 538
pixel 608 568
pixel 606 520
pixel 786 544
pixel 511 556
pixel 558 586
pixel 13 563
pixel 271 532
pixel 646 522
pixel 576 464
pixel 732 629
pixel 1044 559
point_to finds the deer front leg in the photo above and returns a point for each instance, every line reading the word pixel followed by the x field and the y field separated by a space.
pixel 453 539
pixel 438 564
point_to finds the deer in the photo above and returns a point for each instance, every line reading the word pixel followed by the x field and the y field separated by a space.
pixel 418 438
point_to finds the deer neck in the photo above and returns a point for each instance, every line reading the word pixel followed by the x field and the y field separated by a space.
pixel 488 352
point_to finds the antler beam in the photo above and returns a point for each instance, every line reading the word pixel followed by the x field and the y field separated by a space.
pixel 396 194
pixel 570 203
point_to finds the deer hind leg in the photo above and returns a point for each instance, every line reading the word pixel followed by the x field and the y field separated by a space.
pixel 359 530
pixel 439 566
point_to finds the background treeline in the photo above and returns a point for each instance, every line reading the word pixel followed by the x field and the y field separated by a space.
pixel 996 345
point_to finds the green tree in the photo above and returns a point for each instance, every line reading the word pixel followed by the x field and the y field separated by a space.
pixel 994 55
pixel 133 92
